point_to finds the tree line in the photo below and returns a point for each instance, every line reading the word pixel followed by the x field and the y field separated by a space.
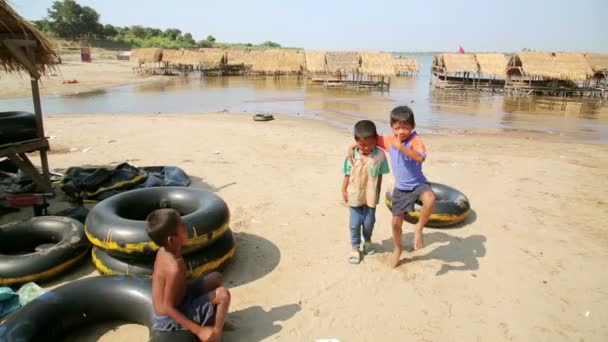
pixel 69 20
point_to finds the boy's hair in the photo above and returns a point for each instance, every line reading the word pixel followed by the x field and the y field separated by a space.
pixel 365 129
pixel 161 224
pixel 402 114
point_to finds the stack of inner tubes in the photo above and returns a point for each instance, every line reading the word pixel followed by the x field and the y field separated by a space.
pixel 17 126
pixel 117 229
pixel 40 248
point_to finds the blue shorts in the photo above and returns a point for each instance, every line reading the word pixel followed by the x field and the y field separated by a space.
pixel 196 306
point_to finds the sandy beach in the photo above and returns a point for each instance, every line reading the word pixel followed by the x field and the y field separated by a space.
pixel 528 264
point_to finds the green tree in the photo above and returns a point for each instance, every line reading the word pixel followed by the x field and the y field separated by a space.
pixel 188 39
pixel 42 24
pixel 137 31
pixel 68 19
pixel 109 31
pixel 269 43
pixel 210 39
pixel 172 33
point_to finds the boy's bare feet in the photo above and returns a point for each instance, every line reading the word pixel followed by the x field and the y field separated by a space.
pixel 396 257
pixel 418 239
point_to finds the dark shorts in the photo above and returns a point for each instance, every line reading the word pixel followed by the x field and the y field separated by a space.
pixel 403 201
pixel 196 306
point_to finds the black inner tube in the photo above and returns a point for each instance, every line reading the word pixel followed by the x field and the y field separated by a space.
pixel 20 263
pixel 17 126
pixel 83 302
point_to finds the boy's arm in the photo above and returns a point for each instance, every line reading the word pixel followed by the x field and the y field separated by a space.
pixel 384 141
pixel 345 188
pixel 408 151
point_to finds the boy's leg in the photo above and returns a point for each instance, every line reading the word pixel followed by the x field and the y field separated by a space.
pixel 428 204
pixel 356 220
pixel 212 281
pixel 369 220
pixel 397 233
pixel 220 298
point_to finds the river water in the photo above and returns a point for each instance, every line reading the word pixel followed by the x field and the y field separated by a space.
pixel 583 120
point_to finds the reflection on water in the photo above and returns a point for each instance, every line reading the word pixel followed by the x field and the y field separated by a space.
pixel 584 119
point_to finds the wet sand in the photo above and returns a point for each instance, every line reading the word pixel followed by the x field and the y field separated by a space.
pixel 528 264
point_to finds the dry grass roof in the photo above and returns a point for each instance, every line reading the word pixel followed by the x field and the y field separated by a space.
pixel 377 64
pixel 315 61
pixel 212 57
pixel 457 62
pixel 342 61
pixel 264 61
pixel 598 61
pixel 572 66
pixel 236 56
pixel 492 63
pixel 13 26
pixel 406 65
pixel 291 61
pixel 172 55
pixel 146 55
pixel 560 66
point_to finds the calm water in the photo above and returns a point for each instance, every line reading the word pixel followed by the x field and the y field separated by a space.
pixel 579 119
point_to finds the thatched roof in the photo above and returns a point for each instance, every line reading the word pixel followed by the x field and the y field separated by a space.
pixel 598 61
pixel 457 62
pixel 291 61
pixel 405 64
pixel 492 63
pixel 212 57
pixel 172 55
pixel 559 66
pixel 342 61
pixel 13 26
pixel 190 57
pixel 264 61
pixel 377 64
pixel 315 61
pixel 572 66
pixel 236 56
pixel 146 55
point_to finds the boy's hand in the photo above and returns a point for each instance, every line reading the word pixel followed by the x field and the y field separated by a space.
pixel 396 142
pixel 345 196
pixel 351 153
pixel 207 334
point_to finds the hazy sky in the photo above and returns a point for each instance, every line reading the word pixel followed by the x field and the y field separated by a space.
pixel 387 25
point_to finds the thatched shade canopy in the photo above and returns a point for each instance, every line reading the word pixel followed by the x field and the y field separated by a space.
pixel 16 31
pixel 212 57
pixel 236 56
pixel 315 61
pixel 264 61
pixel 172 55
pixel 146 55
pixel 456 62
pixel 342 62
pixel 406 65
pixel 291 61
pixel 572 66
pixel 598 62
pixel 377 64
pixel 492 63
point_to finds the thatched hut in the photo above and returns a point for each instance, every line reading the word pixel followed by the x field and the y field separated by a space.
pixel 454 63
pixel 532 65
pixel 404 65
pixel 265 62
pixel 236 56
pixel 24 49
pixel 172 56
pixel 572 66
pixel 377 64
pixel 212 58
pixel 494 64
pixel 291 62
pixel 342 62
pixel 315 62
pixel 190 57
pixel 599 65
pixel 146 55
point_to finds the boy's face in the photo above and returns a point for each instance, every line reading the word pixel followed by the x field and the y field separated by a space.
pixel 402 130
pixel 181 236
pixel 366 145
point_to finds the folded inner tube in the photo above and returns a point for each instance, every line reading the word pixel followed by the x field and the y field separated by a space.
pixel 451 207
pixel 263 117
pixel 117 224
pixel 17 126
pixel 87 301
pixel 20 259
pixel 198 263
